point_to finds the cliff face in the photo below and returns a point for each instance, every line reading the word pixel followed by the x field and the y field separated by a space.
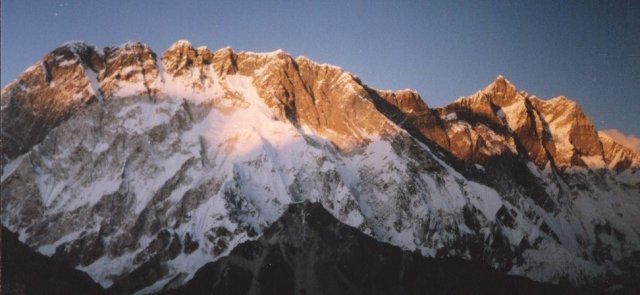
pixel 46 94
pixel 555 132
pixel 324 98
pixel 130 68
pixel 135 167
pixel 617 156
pixel 410 111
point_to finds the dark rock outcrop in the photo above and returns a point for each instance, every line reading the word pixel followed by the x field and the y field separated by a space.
pixel 25 271
pixel 308 251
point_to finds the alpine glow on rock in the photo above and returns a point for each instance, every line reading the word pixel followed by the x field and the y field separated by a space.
pixel 117 162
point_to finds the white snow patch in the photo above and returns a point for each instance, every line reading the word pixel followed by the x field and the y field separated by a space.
pixel 68 62
pixel 451 117
pixel 595 161
pixel 126 88
pixel 50 249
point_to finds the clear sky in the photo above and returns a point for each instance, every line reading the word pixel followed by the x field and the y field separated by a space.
pixel 586 50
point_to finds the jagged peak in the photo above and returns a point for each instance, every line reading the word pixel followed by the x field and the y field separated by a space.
pixel 604 137
pixel 407 100
pixel 132 44
pixel 72 43
pixel 407 93
pixel 277 52
pixel 304 59
pixel 177 56
pixel 406 90
pixel 126 48
pixel 409 90
pixel 182 43
pixel 607 138
pixel 617 155
pixel 563 104
pixel 224 50
pixel 556 102
pixel 500 85
pixel 562 99
pixel 75 48
pixel 76 45
pixel 68 55
pixel 179 48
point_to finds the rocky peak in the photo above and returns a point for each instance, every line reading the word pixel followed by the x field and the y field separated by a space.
pixel 574 138
pixel 334 101
pixel 327 99
pixel 87 55
pixel 502 92
pixel 224 60
pixel 407 109
pixel 407 100
pixel 555 130
pixel 45 94
pixel 181 44
pixel 181 55
pixel 617 156
pixel 130 69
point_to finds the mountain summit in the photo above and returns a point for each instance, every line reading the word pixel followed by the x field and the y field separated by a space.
pixel 134 167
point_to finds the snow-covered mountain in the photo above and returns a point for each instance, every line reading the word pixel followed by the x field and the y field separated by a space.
pixel 127 165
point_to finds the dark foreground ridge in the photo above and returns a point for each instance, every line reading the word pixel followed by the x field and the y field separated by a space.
pixel 25 271
pixel 308 251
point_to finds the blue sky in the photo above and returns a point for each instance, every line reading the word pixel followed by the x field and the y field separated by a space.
pixel 586 50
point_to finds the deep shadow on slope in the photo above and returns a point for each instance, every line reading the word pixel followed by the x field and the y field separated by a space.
pixel 308 251
pixel 25 271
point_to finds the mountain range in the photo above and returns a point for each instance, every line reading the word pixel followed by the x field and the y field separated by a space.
pixel 152 173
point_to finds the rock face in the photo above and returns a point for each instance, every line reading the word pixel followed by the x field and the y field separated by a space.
pixel 500 119
pixel 130 68
pixel 138 169
pixel 308 251
pixel 617 156
pixel 410 112
pixel 46 94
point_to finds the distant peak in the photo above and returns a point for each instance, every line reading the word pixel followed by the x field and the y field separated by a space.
pixel 74 47
pixel 304 59
pixel 226 49
pixel 502 91
pixel 180 44
pixel 74 52
pixel 500 83
pixel 561 98
pixel 75 43
pixel 562 101
pixel 409 90
pixel 132 44
pixel 277 52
